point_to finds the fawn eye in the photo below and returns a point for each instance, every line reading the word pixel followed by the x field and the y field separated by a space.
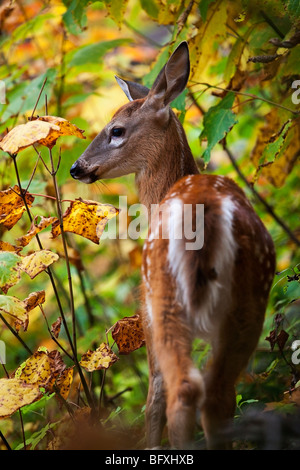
pixel 117 132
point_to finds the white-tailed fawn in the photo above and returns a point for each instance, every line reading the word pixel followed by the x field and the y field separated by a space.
pixel 215 288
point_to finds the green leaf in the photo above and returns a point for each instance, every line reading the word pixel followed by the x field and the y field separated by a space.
pixel 217 123
pixel 150 7
pixel 293 8
pixel 93 52
pixel 203 7
pixel 75 17
pixel 9 272
pixel 37 437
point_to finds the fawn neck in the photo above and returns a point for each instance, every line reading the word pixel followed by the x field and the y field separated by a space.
pixel 173 161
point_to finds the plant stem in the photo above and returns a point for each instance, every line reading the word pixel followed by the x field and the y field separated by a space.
pixel 5 441
pixel 22 427
pixel 52 336
pixel 72 344
pixel 16 335
pixel 269 209
pixel 60 217
pixel 250 95
pixel 49 272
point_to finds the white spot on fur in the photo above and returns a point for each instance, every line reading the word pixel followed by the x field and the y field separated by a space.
pixel 149 307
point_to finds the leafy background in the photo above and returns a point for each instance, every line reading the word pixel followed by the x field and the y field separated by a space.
pixel 241 121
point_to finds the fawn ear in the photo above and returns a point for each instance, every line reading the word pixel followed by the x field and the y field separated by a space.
pixel 172 79
pixel 132 90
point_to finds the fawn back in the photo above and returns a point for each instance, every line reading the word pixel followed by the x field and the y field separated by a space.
pixel 213 284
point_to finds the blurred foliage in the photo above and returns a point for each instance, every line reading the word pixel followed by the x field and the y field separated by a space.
pixel 241 116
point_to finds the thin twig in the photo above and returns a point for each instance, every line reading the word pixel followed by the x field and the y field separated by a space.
pixel 48 270
pixel 269 209
pixel 52 336
pixel 16 335
pixel 60 218
pixel 250 95
pixel 38 98
pixel 5 441
pixel 22 427
pixel 33 173
pixel 72 308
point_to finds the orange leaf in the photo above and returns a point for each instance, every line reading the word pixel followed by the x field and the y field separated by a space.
pixel 44 130
pixel 34 299
pixel 5 246
pixel 128 334
pixel 12 206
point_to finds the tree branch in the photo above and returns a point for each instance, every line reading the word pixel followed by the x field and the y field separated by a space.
pixel 267 206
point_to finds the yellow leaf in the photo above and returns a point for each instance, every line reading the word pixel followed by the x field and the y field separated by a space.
pixel 14 394
pixel 34 229
pixel 202 44
pixel 116 9
pixel 102 358
pixel 37 369
pixel 46 369
pixel 85 218
pixel 276 149
pixel 169 11
pixel 64 382
pixel 37 262
pixel 45 130
pixel 12 206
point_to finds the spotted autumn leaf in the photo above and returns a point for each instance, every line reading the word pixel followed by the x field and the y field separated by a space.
pixel 5 246
pixel 85 218
pixel 15 393
pixel 12 206
pixel 34 299
pixel 47 370
pixel 36 369
pixel 35 228
pixel 64 382
pixel 37 262
pixel 15 310
pixel 128 334
pixel 102 358
pixel 276 150
pixel 44 130
pixel 55 327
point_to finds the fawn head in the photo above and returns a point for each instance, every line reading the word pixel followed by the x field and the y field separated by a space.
pixel 137 131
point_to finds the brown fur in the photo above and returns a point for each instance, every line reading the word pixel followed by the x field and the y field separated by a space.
pixel 154 147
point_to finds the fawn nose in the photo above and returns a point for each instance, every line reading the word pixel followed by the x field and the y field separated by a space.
pixel 75 170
